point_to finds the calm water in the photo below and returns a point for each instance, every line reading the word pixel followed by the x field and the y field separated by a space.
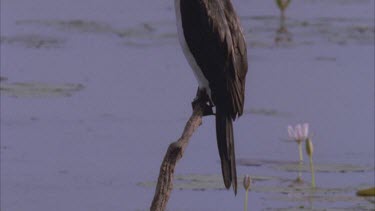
pixel 92 94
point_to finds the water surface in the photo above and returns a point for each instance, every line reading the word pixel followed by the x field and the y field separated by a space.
pixel 92 94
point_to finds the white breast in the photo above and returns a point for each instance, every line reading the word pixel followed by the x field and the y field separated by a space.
pixel 202 81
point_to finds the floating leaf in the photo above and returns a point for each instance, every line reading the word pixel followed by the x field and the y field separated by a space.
pixel 293 166
pixel 366 192
pixel 38 89
pixel 266 112
pixel 261 162
pixel 328 168
pixel 201 182
pixel 33 41
pixel 73 25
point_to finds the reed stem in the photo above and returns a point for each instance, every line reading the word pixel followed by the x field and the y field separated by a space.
pixel 246 199
pixel 300 161
pixel 312 173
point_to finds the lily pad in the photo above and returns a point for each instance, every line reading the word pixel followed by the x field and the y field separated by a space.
pixel 266 112
pixel 265 31
pixel 293 166
pixel 39 89
pixel 141 35
pixel 33 41
pixel 71 25
pixel 260 32
pixel 302 190
pixel 311 208
pixel 328 198
pixel 200 182
pixel 366 192
pixel 262 162
pixel 327 168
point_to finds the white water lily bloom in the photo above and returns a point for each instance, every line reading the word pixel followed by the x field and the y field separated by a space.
pixel 299 132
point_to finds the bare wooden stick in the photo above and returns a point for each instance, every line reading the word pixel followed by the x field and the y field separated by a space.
pixel 174 153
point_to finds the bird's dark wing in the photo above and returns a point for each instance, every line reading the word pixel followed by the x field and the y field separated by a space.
pixel 214 36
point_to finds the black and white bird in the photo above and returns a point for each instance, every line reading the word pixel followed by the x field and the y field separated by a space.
pixel 212 40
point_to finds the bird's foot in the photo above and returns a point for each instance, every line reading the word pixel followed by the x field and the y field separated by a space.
pixel 204 101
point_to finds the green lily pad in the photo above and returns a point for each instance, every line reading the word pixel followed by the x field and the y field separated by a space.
pixel 327 168
pixel 262 162
pixel 302 190
pixel 33 41
pixel 141 35
pixel 297 195
pixel 321 196
pixel 71 25
pixel 293 166
pixel 366 192
pixel 266 112
pixel 39 89
pixel 311 208
pixel 201 182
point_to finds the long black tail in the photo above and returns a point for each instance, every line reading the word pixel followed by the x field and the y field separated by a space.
pixel 225 143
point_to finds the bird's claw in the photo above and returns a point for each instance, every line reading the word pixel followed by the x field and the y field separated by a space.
pixel 203 100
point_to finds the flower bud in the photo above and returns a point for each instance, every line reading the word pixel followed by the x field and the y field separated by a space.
pixel 309 147
pixel 247 182
pixel 282 4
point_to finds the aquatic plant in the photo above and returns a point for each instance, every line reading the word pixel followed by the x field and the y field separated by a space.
pixel 366 192
pixel 282 33
pixel 282 4
pixel 247 186
pixel 298 134
pixel 310 151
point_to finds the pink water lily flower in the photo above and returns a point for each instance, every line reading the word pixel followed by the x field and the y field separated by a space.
pixel 299 133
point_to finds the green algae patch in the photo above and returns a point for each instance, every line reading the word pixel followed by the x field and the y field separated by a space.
pixel 33 41
pixel 327 168
pixel 320 198
pixel 293 166
pixel 199 182
pixel 366 192
pixel 267 112
pixel 39 89
pixel 77 25
pixel 263 162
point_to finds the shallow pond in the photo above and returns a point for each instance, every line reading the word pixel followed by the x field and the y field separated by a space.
pixel 92 95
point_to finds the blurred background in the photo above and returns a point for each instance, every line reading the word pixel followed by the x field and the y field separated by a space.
pixel 93 92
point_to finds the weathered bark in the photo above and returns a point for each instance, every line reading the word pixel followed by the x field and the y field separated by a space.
pixel 174 153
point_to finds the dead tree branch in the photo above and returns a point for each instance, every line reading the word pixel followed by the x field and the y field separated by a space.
pixel 174 153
